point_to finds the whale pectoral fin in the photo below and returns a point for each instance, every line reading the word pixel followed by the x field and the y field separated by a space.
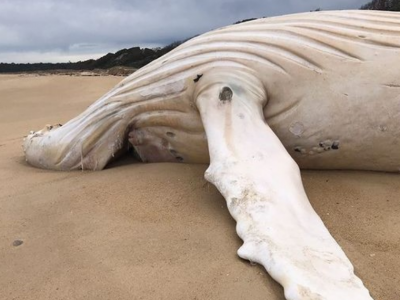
pixel 264 192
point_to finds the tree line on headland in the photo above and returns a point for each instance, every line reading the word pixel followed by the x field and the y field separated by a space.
pixel 390 5
pixel 137 57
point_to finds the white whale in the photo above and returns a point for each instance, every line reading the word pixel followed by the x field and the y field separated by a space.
pixel 257 100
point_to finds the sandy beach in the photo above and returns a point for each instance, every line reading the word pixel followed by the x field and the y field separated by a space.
pixel 155 231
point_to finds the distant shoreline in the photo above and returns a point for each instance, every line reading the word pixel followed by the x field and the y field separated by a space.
pixel 122 62
pixel 114 71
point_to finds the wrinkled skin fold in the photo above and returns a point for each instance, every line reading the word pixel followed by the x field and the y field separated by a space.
pixel 256 101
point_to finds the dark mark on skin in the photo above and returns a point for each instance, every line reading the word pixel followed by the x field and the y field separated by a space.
pixel 327 145
pixel 226 94
pixel 198 77
pixel 17 243
pixel 179 158
pixel 335 145
pixel 170 134
pixel 392 85
pixel 174 152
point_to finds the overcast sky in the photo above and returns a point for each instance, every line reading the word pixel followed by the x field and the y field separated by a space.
pixel 72 30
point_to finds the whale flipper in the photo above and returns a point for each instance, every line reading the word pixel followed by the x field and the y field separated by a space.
pixel 264 192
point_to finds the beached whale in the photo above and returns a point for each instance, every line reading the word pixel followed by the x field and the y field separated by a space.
pixel 256 101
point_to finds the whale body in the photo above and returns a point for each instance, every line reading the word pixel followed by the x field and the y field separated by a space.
pixel 257 101
pixel 332 81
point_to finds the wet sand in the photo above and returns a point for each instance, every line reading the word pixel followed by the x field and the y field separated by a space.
pixel 155 231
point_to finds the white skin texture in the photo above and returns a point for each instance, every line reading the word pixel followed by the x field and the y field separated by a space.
pixel 264 192
pixel 257 100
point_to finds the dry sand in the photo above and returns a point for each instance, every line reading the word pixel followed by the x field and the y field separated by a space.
pixel 155 231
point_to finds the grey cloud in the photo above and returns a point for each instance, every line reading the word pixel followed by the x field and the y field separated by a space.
pixel 79 27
